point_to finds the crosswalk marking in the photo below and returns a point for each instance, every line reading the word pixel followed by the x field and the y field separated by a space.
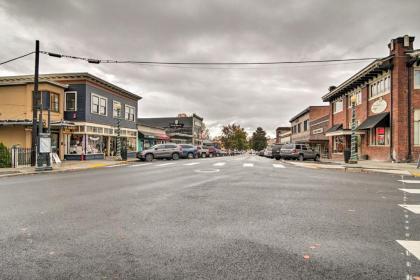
pixel 410 181
pixel 192 163
pixel 166 164
pixel 139 164
pixel 248 165
pixel 219 164
pixel 116 165
pixel 412 246
pixel 413 208
pixel 276 165
pixel 411 190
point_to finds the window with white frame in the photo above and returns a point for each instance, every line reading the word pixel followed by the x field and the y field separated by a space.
pixel 417 79
pixel 380 87
pixel 130 113
pixel 338 106
pixel 71 101
pixel 98 104
pixel 417 127
pixel 358 100
pixel 116 109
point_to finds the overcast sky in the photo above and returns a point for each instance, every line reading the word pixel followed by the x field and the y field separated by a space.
pixel 211 31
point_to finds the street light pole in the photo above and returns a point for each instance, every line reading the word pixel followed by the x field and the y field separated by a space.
pixel 118 154
pixel 35 103
pixel 353 152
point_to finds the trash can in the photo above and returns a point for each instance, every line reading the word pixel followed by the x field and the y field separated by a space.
pixel 347 153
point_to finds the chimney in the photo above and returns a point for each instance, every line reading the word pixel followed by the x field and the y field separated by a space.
pixel 401 44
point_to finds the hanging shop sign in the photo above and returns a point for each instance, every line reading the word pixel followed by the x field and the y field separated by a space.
pixel 378 106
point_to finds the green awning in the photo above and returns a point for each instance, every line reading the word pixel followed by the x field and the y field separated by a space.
pixel 381 119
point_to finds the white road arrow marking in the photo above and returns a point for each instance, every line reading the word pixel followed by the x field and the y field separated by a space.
pixel 412 246
pixel 411 190
pixel 413 208
pixel 248 165
pixel 276 165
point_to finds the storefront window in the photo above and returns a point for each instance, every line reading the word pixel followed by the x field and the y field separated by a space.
pixel 94 144
pixel 338 142
pixel 76 144
pixel 417 127
pixel 379 136
pixel 131 144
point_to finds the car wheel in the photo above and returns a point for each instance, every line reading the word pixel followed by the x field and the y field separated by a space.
pixel 190 155
pixel 277 158
pixel 175 156
pixel 317 158
pixel 149 157
pixel 211 155
pixel 301 158
pixel 203 155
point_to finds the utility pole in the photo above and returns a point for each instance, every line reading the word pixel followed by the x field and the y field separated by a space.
pixel 35 103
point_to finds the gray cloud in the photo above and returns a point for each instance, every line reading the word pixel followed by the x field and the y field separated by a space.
pixel 193 30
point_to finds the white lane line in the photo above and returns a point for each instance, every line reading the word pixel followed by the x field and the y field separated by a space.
pixel 140 164
pixel 410 181
pixel 412 246
pixel 165 164
pixel 116 165
pixel 219 164
pixel 410 190
pixel 413 208
pixel 192 163
pixel 248 165
pixel 276 165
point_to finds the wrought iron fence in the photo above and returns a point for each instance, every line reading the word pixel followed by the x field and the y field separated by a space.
pixel 14 157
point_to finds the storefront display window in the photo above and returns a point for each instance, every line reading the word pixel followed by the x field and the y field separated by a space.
pixel 131 144
pixel 94 144
pixel 379 136
pixel 75 146
pixel 338 144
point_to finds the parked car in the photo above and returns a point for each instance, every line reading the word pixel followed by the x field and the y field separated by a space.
pixel 298 151
pixel 188 151
pixel 202 151
pixel 212 151
pixel 275 151
pixel 261 153
pixel 168 151
pixel 268 152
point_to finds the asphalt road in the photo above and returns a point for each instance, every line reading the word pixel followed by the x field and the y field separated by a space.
pixel 222 218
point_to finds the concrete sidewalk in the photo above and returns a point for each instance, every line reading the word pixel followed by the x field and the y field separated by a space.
pixel 363 166
pixel 64 166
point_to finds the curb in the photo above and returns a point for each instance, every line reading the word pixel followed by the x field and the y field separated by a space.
pixel 92 166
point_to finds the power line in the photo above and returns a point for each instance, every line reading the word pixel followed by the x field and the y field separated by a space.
pixel 201 64
pixel 16 58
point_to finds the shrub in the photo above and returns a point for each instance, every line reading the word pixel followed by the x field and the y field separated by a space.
pixel 5 156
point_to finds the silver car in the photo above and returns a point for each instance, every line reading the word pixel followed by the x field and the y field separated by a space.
pixel 298 151
pixel 168 151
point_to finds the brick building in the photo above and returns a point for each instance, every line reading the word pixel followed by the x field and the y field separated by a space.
pixel 387 107
pixel 283 134
pixel 309 127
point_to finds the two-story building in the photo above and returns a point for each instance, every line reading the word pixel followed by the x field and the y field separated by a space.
pixel 16 102
pixel 283 134
pixel 386 94
pixel 91 113
pixel 309 126
pixel 181 129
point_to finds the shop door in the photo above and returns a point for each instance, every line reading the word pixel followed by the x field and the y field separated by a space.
pixel 55 143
